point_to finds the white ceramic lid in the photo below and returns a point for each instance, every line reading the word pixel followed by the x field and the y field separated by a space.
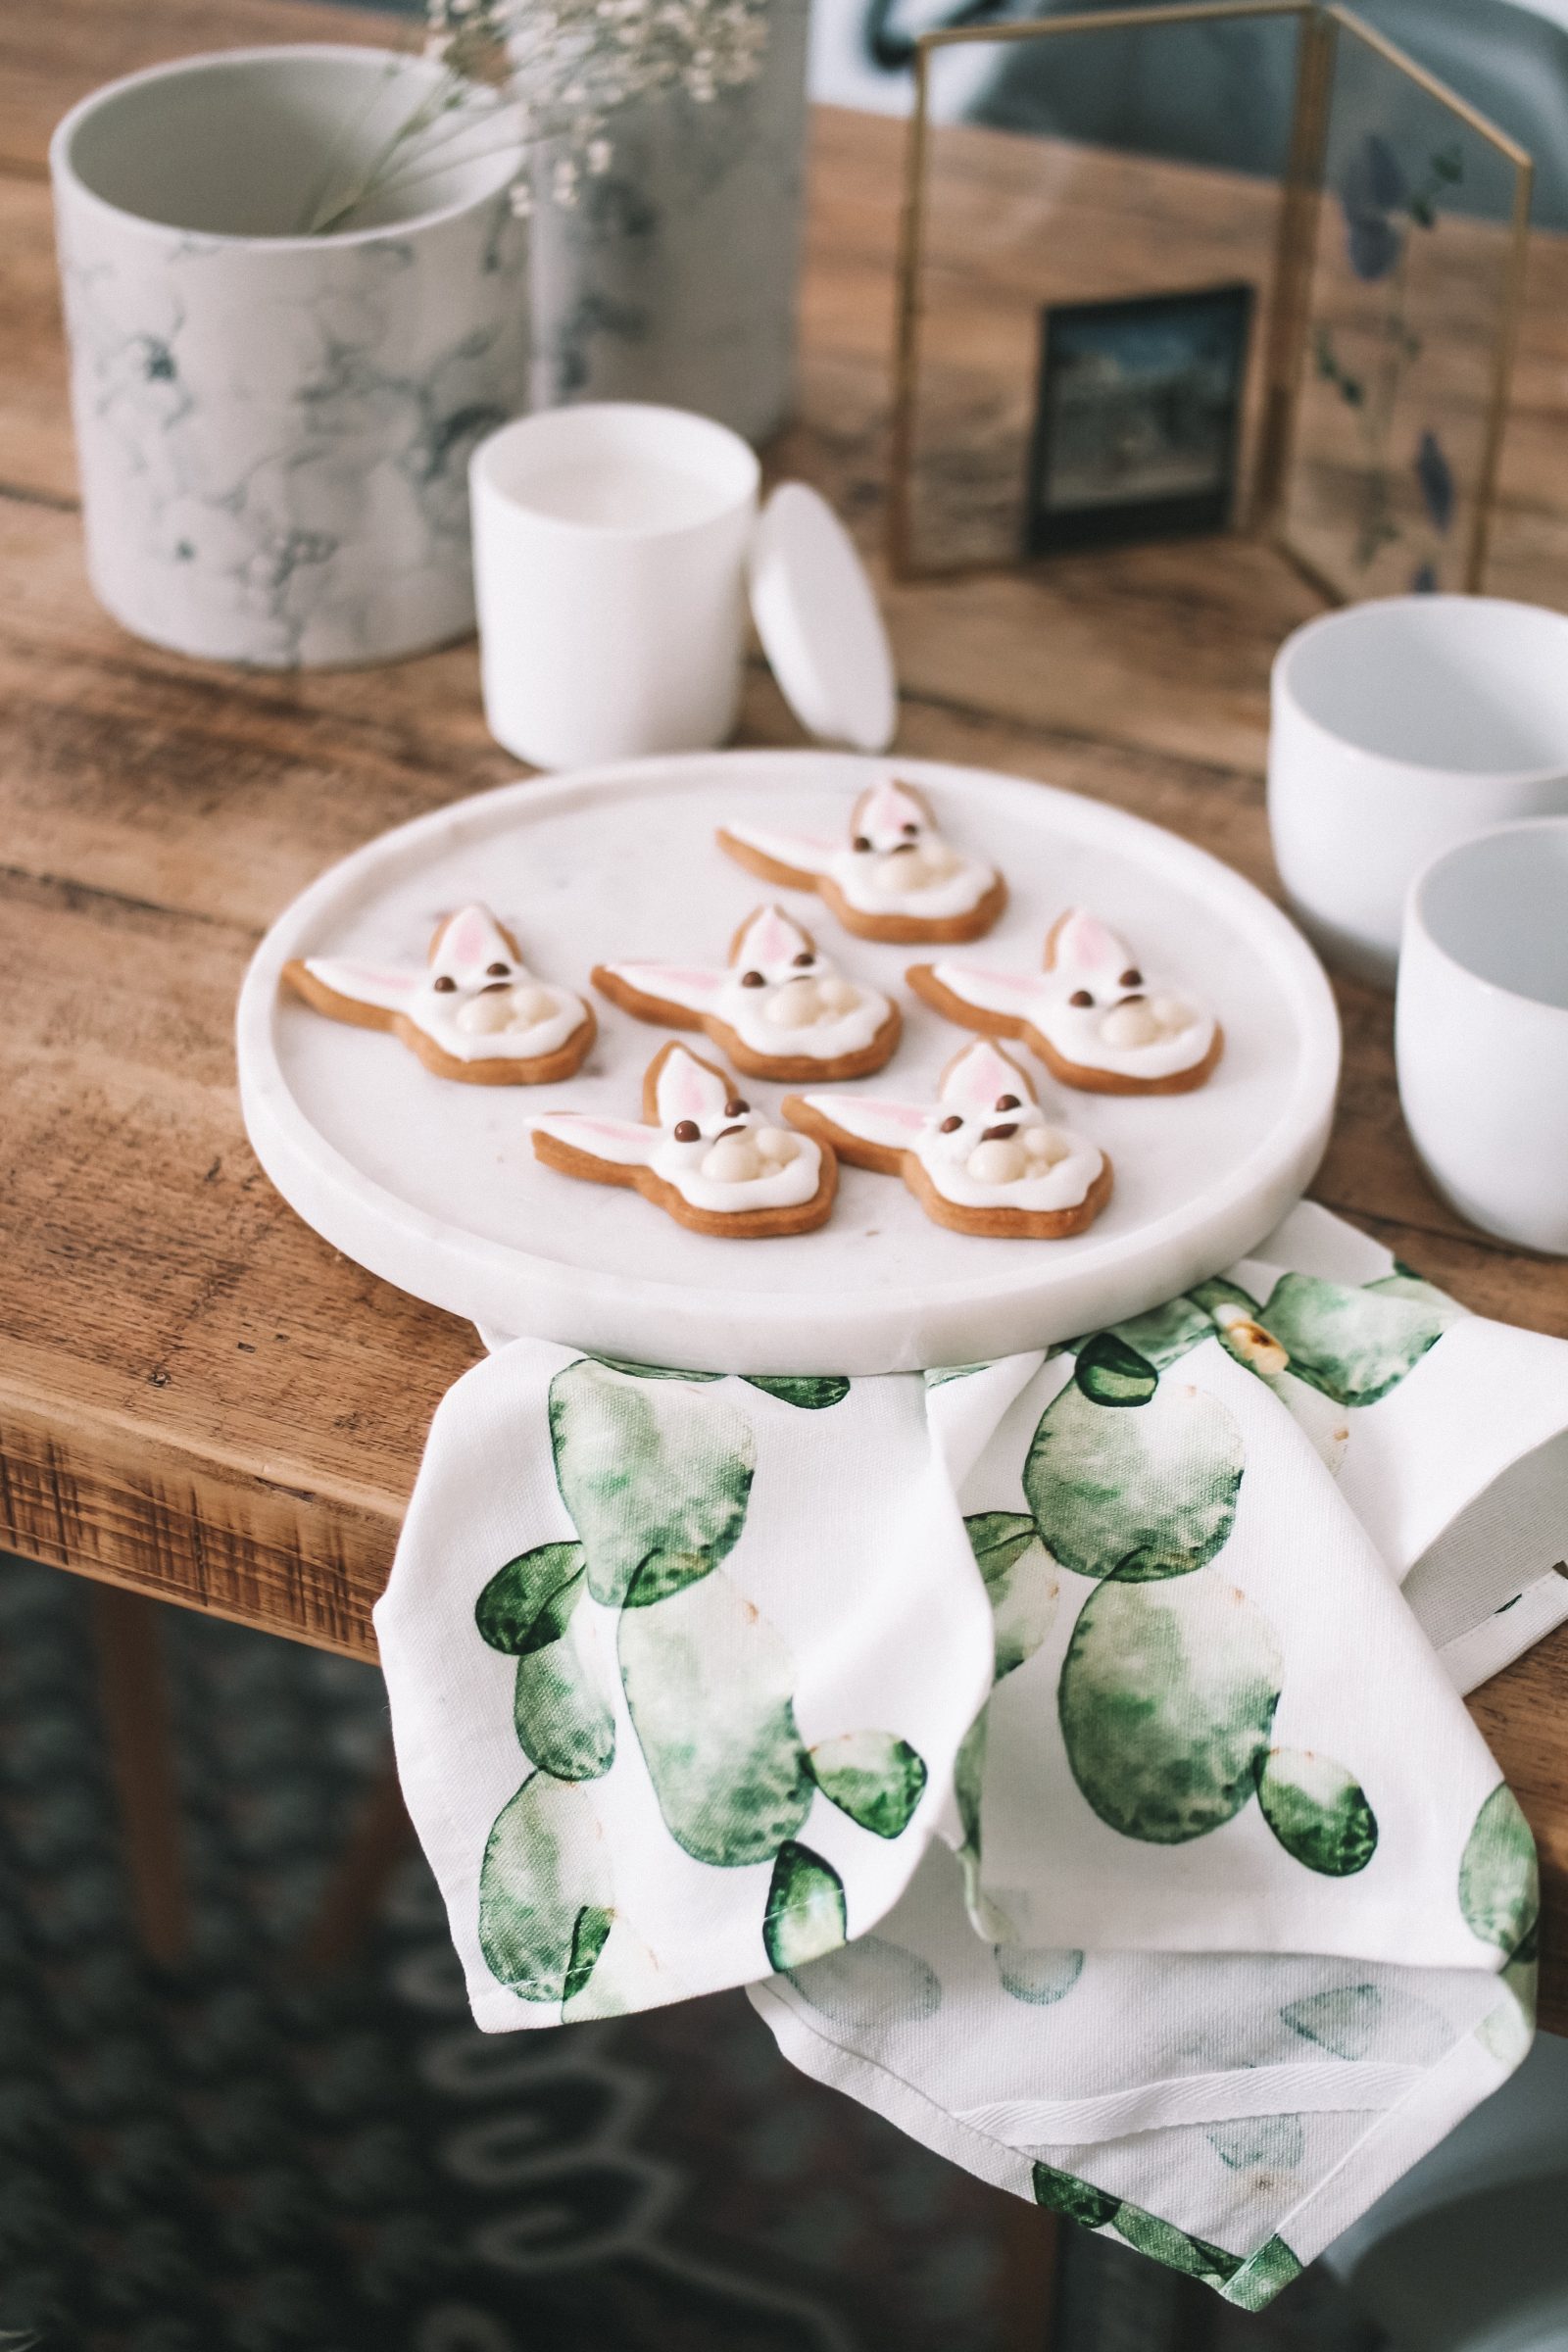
pixel 819 621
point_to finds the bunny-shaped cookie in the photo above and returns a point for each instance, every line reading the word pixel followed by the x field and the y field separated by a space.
pixel 1090 1015
pixel 896 878
pixel 703 1154
pixel 779 1009
pixel 475 1012
pixel 982 1158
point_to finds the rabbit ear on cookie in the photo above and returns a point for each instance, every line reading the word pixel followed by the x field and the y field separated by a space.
pixel 388 986
pixel 682 1086
pixel 695 988
pixel 886 809
pixel 619 1142
pixel 1080 941
pixel 974 1079
pixel 470 941
pixel 858 1118
pixel 769 936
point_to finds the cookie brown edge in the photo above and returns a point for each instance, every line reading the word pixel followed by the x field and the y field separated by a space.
pixel 1010 1224
pixel 766 868
pixel 744 1225
pixel 539 1069
pixel 1083 1079
pixel 912 930
pixel 881 1158
pixel 733 953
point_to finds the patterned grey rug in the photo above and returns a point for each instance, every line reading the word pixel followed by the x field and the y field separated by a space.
pixel 241 2160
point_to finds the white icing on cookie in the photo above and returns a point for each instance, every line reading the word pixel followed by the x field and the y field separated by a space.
pixel 1125 1023
pixel 985 1142
pixel 736 1159
pixel 474 998
pixel 896 860
pixel 779 993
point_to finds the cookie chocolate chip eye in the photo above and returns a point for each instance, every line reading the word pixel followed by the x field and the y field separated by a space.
pixel 686 1131
pixel 1133 999
pixel 803 958
pixel 445 985
pixel 1080 996
pixel 999 1134
pixel 910 828
pixel 497 971
pixel 859 841
pixel 735 1108
pixel 752 980
pixel 1132 977
pixel 1008 1103
pixel 950 1123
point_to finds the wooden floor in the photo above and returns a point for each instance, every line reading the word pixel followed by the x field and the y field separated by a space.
pixel 198 1400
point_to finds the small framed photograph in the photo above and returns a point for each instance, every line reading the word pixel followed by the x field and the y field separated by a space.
pixel 1137 418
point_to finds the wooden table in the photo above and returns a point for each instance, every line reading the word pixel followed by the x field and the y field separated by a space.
pixel 200 1401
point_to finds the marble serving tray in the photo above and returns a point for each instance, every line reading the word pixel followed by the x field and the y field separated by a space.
pixel 434 1186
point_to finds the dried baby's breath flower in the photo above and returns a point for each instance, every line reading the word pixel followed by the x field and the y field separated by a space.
pixel 547 76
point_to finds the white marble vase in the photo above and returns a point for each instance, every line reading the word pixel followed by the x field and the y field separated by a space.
pixel 273 428
pixel 674 276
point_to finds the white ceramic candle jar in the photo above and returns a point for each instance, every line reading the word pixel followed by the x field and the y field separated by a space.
pixel 614 548
pixel 1398 728
pixel 273 428
pixel 1481 1030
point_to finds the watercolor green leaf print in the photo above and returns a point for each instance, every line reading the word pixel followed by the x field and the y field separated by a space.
pixel 518 1609
pixel 1022 1582
pixel 1499 1884
pixel 1317 1811
pixel 1250 2282
pixel 808 1392
pixel 806 1914
pixel 560 1707
pixel 871 1983
pixel 1354 1345
pixel 1109 1372
pixel 1040 1978
pixel 872 1776
pixel 565 1720
pixel 1138 1494
pixel 656 1479
pixel 545 1899
pixel 1166 1701
pixel 709 1685
pixel 1166 1334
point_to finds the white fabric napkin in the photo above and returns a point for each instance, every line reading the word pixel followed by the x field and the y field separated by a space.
pixel 1048 1745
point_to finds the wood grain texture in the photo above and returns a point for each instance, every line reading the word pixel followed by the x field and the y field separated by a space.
pixel 198 1399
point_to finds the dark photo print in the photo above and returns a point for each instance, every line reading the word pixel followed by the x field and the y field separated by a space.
pixel 1137 418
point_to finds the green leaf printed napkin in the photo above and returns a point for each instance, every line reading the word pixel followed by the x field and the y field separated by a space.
pixel 1046 1744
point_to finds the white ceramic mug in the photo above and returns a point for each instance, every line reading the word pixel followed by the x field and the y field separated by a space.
pixel 272 427
pixel 610 552
pixel 1398 728
pixel 1481 1030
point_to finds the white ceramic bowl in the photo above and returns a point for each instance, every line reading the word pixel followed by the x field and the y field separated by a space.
pixel 1399 728
pixel 1481 1030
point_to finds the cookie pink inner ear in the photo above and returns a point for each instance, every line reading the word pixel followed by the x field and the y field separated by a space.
pixel 888 809
pixel 769 938
pixel 471 940
pixel 688 1091
pixel 1084 944
pixel 979 1077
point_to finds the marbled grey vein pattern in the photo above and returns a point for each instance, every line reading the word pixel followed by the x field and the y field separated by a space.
pixel 674 279
pixel 274 439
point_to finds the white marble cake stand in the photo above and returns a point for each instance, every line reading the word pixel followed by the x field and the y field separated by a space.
pixel 434 1186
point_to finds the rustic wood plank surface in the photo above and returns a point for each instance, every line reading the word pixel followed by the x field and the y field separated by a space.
pixel 198 1399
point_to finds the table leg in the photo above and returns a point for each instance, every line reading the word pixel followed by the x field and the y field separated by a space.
pixel 381 1836
pixel 1030 2241
pixel 133 1694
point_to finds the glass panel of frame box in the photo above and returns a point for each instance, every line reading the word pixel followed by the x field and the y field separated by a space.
pixel 1187 268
